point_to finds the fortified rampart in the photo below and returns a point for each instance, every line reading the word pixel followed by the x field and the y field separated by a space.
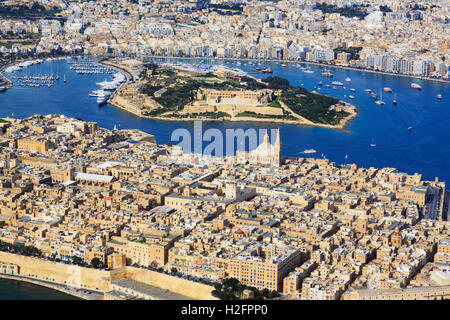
pixel 96 279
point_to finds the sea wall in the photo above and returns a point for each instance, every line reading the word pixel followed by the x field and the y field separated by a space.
pixel 181 286
pixel 95 279
pixel 62 273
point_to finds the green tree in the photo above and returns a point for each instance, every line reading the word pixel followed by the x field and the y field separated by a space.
pixel 95 262
pixel 76 260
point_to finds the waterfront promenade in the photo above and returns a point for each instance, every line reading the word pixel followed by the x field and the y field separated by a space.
pixel 73 291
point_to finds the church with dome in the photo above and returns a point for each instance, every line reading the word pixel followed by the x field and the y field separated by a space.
pixel 266 153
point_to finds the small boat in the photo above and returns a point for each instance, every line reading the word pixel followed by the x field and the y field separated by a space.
pixel 308 71
pixel 284 65
pixel 351 97
pixel 307 151
pixel 388 90
pixel 410 128
pixel 380 102
pixel 320 83
pixel 373 145
pixel 416 86
pixel 373 95
pixel 266 71
pixel 352 89
pixel 337 83
pixel 327 85
pixel 368 90
pixel 348 79
pixel 2 89
pixel 439 96
pixel 96 93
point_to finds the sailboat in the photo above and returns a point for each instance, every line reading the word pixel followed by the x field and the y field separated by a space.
pixel 380 102
pixel 346 157
pixel 65 78
pixel 395 99
pixel 373 145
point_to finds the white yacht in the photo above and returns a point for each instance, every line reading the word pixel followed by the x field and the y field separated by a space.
pixel 102 98
pixel 95 93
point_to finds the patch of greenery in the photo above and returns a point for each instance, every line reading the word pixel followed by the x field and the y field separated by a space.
pixel 226 9
pixel 418 7
pixel 314 107
pixel 385 9
pixel 181 90
pixel 275 104
pixel 149 90
pixel 232 289
pixel 265 116
pixel 36 10
pixel 276 83
pixel 349 12
pixel 20 249
pixel 210 115
pixel 156 112
pixel 179 95
pixel 354 51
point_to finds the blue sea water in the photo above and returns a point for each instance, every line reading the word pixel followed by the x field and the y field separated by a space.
pixel 17 290
pixel 425 149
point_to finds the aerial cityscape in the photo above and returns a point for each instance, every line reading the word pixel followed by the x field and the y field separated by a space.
pixel 224 150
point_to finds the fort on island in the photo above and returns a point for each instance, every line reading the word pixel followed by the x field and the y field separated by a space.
pixel 172 93
pixel 233 102
pixel 113 212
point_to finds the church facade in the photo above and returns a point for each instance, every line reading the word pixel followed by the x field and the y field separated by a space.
pixel 266 153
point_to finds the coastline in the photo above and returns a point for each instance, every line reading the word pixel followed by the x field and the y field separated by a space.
pixel 120 69
pixel 41 283
pixel 305 62
pixel 6 80
pixel 102 61
pixel 341 126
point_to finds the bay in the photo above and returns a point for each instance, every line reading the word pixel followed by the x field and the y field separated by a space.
pixel 424 149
